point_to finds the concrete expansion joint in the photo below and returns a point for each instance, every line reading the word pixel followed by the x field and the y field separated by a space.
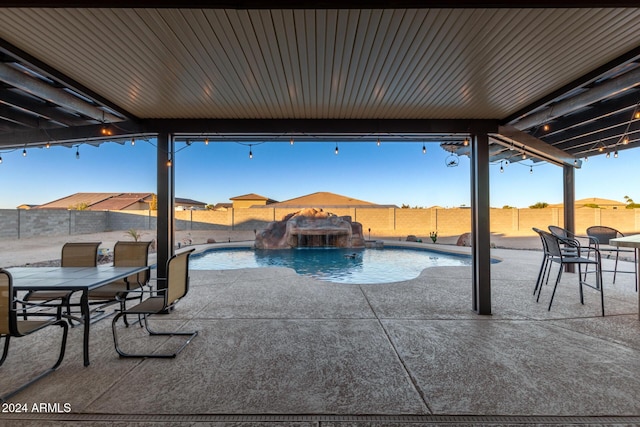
pixel 406 369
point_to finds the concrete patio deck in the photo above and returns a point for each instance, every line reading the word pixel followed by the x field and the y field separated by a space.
pixel 275 348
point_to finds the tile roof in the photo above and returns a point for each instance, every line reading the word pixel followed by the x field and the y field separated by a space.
pixel 324 198
pixel 250 196
pixel 76 199
pixel 120 202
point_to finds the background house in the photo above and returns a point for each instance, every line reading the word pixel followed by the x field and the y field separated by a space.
pixel 115 202
pixel 250 200
pixel 595 202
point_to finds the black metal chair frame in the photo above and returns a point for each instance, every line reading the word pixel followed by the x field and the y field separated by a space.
pixel 557 255
pixel 545 266
pixel 161 301
pixel 601 235
pixel 11 326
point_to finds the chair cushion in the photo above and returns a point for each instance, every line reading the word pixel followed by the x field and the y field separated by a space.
pixel 47 295
pixel 111 290
pixel 148 306
pixel 26 327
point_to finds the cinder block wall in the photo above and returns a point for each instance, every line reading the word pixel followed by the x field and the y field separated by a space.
pixel 386 222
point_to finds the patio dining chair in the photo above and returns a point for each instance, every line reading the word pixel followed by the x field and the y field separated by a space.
pixel 74 254
pixel 543 274
pixel 125 254
pixel 557 255
pixel 601 235
pixel 161 301
pixel 11 326
pixel 568 239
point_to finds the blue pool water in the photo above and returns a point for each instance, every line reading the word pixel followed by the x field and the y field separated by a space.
pixel 337 265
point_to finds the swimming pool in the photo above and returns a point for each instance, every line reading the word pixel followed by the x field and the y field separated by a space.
pixel 338 265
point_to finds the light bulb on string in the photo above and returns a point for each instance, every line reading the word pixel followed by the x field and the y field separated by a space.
pixel 206 141
pixel 0 159
pixel 465 142
pixel 47 145
pixel 336 150
pixel 250 152
pixel 608 155
pixel 615 154
pixel 77 152
pixel 424 149
pixel 378 142
pixel 531 169
pixel 133 141
pixel 291 141
pixel 501 168
pixel 24 153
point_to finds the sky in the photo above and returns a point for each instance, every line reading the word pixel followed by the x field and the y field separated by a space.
pixel 396 173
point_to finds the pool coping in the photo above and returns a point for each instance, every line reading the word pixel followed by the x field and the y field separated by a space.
pixel 444 248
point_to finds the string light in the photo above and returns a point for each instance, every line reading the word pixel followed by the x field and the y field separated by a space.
pixel 465 142
pixel 291 141
pixel 424 149
pixel 206 141
pixel 545 127
pixel 47 145
pixel 625 140
pixel 105 130
pixel 24 153
pixel 608 155
pixel 615 154
pixel 531 169
pixel 336 151
pixel 0 159
pixel 250 152
pixel 378 142
pixel 501 168
pixel 77 152
pixel 133 141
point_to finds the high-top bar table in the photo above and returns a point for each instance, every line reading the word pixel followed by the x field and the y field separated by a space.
pixel 73 279
pixel 631 242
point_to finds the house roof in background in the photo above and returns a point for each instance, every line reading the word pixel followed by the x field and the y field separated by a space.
pixel 69 202
pixel 325 199
pixel 108 201
pixel 592 201
pixel 191 202
pixel 252 196
pixel 120 202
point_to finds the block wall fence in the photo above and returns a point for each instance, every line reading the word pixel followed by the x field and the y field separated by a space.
pixel 376 222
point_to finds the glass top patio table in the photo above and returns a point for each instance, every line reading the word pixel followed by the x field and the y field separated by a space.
pixel 73 279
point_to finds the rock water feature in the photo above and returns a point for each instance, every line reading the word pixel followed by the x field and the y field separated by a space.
pixel 311 227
